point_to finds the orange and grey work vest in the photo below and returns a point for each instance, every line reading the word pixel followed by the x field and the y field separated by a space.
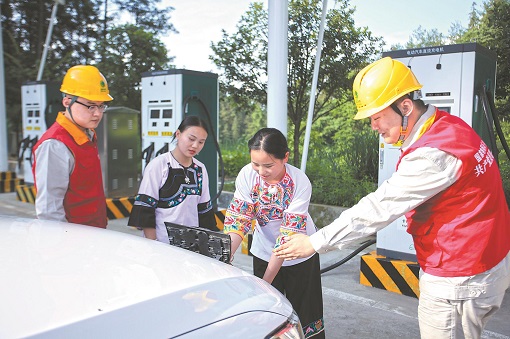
pixel 84 201
pixel 465 229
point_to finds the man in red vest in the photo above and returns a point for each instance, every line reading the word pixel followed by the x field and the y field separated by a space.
pixel 448 186
pixel 67 171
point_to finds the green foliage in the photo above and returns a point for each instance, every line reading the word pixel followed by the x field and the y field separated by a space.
pixel 503 159
pixel 342 175
pixel 422 37
pixel 338 188
pixel 239 120
pixel 491 28
pixel 335 179
pixel 140 51
pixel 361 155
pixel 235 157
pixel 84 34
pixel 346 49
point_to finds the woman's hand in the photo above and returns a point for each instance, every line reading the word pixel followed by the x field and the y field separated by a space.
pixel 295 246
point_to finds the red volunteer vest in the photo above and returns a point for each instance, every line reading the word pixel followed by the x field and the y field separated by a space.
pixel 464 230
pixel 84 201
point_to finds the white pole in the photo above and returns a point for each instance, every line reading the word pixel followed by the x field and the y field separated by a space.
pixel 4 166
pixel 48 37
pixel 277 65
pixel 311 105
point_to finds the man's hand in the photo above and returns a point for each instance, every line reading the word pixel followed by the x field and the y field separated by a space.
pixel 295 246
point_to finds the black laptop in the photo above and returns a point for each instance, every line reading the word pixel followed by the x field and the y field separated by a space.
pixel 200 240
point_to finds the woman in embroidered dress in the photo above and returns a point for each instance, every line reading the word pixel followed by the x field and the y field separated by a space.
pixel 175 186
pixel 277 195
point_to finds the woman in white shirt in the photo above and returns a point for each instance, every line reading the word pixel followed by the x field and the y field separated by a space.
pixel 175 186
pixel 277 195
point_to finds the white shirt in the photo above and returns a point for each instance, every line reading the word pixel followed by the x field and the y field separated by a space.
pixel 275 207
pixel 421 175
pixel 402 192
pixel 186 198
pixel 54 165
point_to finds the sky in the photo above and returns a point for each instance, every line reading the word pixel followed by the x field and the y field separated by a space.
pixel 200 21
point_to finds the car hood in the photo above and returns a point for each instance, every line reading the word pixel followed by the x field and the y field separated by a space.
pixel 57 274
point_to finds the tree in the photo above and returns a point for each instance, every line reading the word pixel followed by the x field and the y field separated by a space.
pixel 130 52
pixel 491 29
pixel 422 37
pixel 148 15
pixel 346 49
pixel 24 28
pixel 79 37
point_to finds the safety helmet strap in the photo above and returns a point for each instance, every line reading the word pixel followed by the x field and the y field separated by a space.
pixel 73 100
pixel 405 121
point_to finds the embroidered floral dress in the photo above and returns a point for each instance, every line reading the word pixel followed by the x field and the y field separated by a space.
pixel 278 209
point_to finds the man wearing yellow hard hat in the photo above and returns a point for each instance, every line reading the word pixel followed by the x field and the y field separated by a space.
pixel 448 186
pixel 66 168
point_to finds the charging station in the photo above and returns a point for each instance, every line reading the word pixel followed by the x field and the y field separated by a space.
pixel 40 103
pixel 455 78
pixel 118 140
pixel 168 96
pixel 118 144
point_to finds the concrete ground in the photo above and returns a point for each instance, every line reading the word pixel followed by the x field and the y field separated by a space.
pixel 351 310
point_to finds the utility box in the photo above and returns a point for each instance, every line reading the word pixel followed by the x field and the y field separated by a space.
pixel 119 147
pixel 40 103
pixel 453 79
pixel 168 96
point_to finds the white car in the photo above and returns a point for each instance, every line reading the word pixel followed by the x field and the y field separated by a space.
pixel 61 280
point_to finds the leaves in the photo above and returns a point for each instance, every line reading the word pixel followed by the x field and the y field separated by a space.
pixel 346 49
pixel 83 34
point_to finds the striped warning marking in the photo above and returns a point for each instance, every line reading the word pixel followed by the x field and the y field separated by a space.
pixel 117 208
pixel 220 218
pixel 9 175
pixel 26 193
pixel 9 185
pixel 397 276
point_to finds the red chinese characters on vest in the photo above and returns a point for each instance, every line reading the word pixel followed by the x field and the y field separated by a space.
pixel 465 229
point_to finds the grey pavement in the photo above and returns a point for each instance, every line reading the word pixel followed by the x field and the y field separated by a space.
pixel 351 310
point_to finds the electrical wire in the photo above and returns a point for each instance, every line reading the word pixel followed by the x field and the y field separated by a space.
pixel 349 257
pixel 209 120
pixel 496 122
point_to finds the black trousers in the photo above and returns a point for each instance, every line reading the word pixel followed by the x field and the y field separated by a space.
pixel 301 285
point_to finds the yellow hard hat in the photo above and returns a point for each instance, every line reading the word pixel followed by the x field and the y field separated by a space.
pixel 379 84
pixel 87 82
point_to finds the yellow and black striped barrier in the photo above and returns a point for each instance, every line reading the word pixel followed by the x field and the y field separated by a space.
pixel 220 218
pixel 9 182
pixel 26 193
pixel 7 175
pixel 397 276
pixel 118 208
